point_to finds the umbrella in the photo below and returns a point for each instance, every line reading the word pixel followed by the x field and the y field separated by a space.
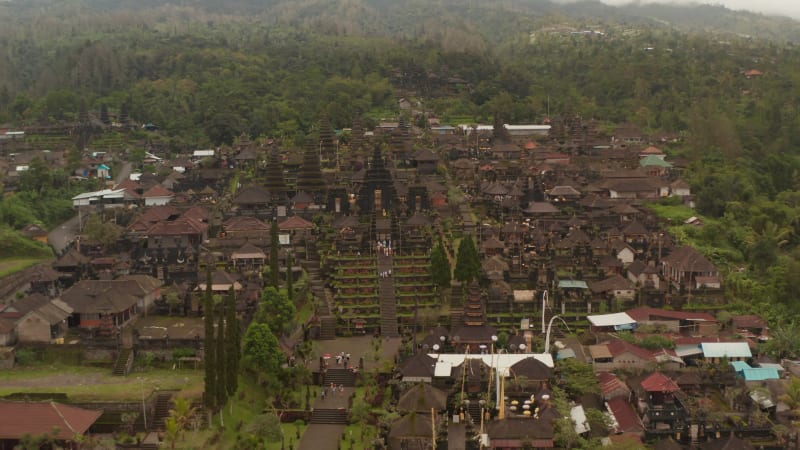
pixel 327 356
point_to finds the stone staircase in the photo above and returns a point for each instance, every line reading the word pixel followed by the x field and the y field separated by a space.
pixel 388 308
pixel 474 412
pixel 327 321
pixel 330 416
pixel 124 362
pixel 327 329
pixel 161 411
pixel 388 300
pixel 343 377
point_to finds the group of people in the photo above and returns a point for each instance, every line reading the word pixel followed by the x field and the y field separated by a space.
pixel 335 390
pixel 343 357
pixel 386 273
pixel 385 247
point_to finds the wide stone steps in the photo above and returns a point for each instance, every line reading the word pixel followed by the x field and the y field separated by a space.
pixel 330 416
pixel 388 308
pixel 327 330
pixel 339 377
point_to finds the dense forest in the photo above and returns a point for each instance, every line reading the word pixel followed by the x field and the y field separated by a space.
pixel 206 71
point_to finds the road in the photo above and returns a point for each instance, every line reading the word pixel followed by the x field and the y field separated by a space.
pixel 63 235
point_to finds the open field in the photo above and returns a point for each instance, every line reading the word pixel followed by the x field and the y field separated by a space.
pixel 97 384
pixel 14 265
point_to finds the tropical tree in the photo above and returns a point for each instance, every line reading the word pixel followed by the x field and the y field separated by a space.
pixel 791 396
pixel 275 310
pixel 182 413
pixel 261 353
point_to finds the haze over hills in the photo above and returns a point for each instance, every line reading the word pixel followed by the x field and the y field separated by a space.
pixel 769 7
pixel 493 21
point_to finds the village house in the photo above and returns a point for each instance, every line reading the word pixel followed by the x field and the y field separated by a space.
pixel 39 319
pixel 106 305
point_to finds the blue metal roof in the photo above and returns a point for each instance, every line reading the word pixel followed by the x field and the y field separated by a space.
pixel 760 374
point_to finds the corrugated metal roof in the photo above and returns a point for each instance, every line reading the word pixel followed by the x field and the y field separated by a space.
pixel 760 374
pixel 610 320
pixel 572 284
pixel 740 366
pixel 726 350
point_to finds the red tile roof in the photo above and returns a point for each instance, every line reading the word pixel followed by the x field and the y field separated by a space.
pixel 617 347
pixel 658 382
pixel 611 384
pixel 19 419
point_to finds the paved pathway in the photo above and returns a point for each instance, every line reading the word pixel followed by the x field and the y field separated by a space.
pixel 456 436
pixel 358 347
pixel 321 437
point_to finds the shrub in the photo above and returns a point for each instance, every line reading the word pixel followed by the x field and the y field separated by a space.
pixel 27 357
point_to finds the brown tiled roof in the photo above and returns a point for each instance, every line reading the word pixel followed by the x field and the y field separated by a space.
pixel 295 223
pixel 749 321
pixel 181 226
pixel 634 228
pixel 253 195
pixel 103 296
pixel 614 282
pixel 635 185
pixel 648 313
pixel 521 429
pixel 72 258
pixel 199 213
pixel 687 258
pixel 424 154
pixel 541 208
pixel 153 215
pixel 245 223
pixel 158 191
pixel 20 419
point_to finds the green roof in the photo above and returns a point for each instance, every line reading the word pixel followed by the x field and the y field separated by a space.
pixel 654 160
pixel 572 284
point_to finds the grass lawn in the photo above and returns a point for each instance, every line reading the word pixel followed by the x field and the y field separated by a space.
pixel 97 384
pixel 246 404
pixel 14 265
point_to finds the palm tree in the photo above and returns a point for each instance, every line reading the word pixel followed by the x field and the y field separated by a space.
pixel 182 413
pixel 792 396
pixel 763 245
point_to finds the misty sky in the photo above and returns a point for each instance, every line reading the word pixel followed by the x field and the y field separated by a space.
pixel 784 7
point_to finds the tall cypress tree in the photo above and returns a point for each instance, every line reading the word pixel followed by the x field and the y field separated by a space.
pixel 289 280
pixel 233 344
pixel 210 397
pixel 221 364
pixel 468 261
pixel 440 266
pixel 274 243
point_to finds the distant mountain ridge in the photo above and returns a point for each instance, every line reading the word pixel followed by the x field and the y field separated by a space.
pixel 464 21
